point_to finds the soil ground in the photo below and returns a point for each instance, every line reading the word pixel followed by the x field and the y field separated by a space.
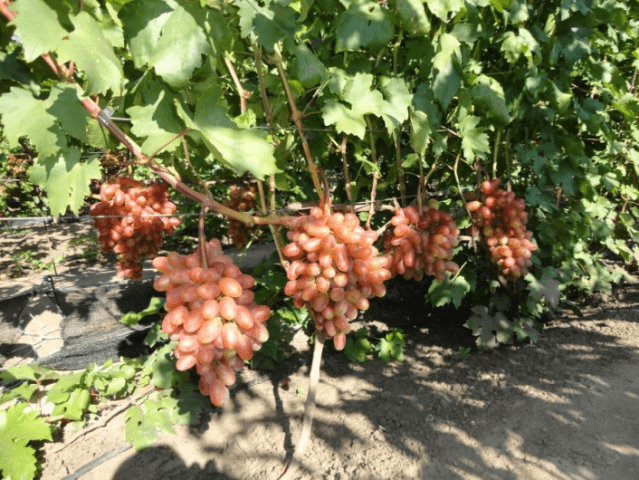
pixel 565 407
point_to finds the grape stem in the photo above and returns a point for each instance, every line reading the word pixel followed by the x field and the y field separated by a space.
pixel 297 118
pixel 309 409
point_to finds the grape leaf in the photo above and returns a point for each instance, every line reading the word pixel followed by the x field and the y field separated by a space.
pixel 41 36
pixel 486 326
pixel 24 115
pixel 131 318
pixel 142 428
pixel 488 95
pixel 93 54
pixel 345 121
pixel 420 131
pixel 64 104
pixel 357 349
pixel 75 404
pixel 364 24
pixel 446 83
pixel 241 149
pixel 413 17
pixel 142 25
pixel 391 346
pixel 265 25
pixel 309 70
pixel 397 100
pixel 12 68
pixel 32 371
pixel 157 122
pixel 546 287
pixel 441 293
pixel 441 8
pixel 474 140
pixel 65 169
pixel 17 429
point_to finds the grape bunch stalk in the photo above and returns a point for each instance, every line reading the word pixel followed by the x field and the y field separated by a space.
pixel 132 227
pixel 335 269
pixel 500 218
pixel 211 315
pixel 421 244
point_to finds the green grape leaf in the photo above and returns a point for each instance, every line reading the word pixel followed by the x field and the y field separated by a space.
pixel 12 68
pixel 157 122
pixel 413 17
pixel 142 428
pixel 357 349
pixel 164 374
pixel 265 25
pixel 66 170
pixel 188 407
pixel 345 121
pixel 547 287
pixel 397 100
pixel 474 139
pixel 309 70
pixel 391 347
pixel 75 404
pixel 364 24
pixel 93 54
pixel 488 95
pixel 441 293
pixel 32 371
pixel 244 150
pixel 166 35
pixel 131 318
pixel 420 131
pixel 446 83
pixel 24 391
pixel 24 115
pixel 17 429
pixel 486 327
pixel 65 105
pixel 41 36
pixel 441 8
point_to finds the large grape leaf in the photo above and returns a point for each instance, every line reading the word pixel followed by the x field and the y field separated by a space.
pixel 547 287
pixel 65 179
pixel 397 100
pixel 474 139
pixel 17 429
pixel 158 122
pixel 265 25
pixel 413 17
pixel 489 329
pixel 24 115
pixel 244 150
pixel 364 24
pixel 309 70
pixel 167 36
pixel 345 121
pixel 488 94
pixel 93 54
pixel 64 104
pixel 441 8
pixel 446 83
pixel 448 290
pixel 38 26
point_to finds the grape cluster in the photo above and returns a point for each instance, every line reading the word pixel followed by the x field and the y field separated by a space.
pixel 212 315
pixel 501 218
pixel 243 198
pixel 134 232
pixel 420 244
pixel 334 270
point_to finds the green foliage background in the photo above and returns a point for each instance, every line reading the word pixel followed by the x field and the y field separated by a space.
pixel 541 94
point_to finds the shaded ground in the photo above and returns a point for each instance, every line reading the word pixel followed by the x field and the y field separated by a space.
pixel 566 407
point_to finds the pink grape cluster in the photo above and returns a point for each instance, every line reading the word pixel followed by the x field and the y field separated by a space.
pixel 212 315
pixel 134 232
pixel 421 244
pixel 500 218
pixel 334 270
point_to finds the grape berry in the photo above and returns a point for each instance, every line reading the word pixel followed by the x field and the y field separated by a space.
pixel 134 232
pixel 212 315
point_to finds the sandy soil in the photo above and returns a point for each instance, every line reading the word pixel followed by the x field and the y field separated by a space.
pixel 566 407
